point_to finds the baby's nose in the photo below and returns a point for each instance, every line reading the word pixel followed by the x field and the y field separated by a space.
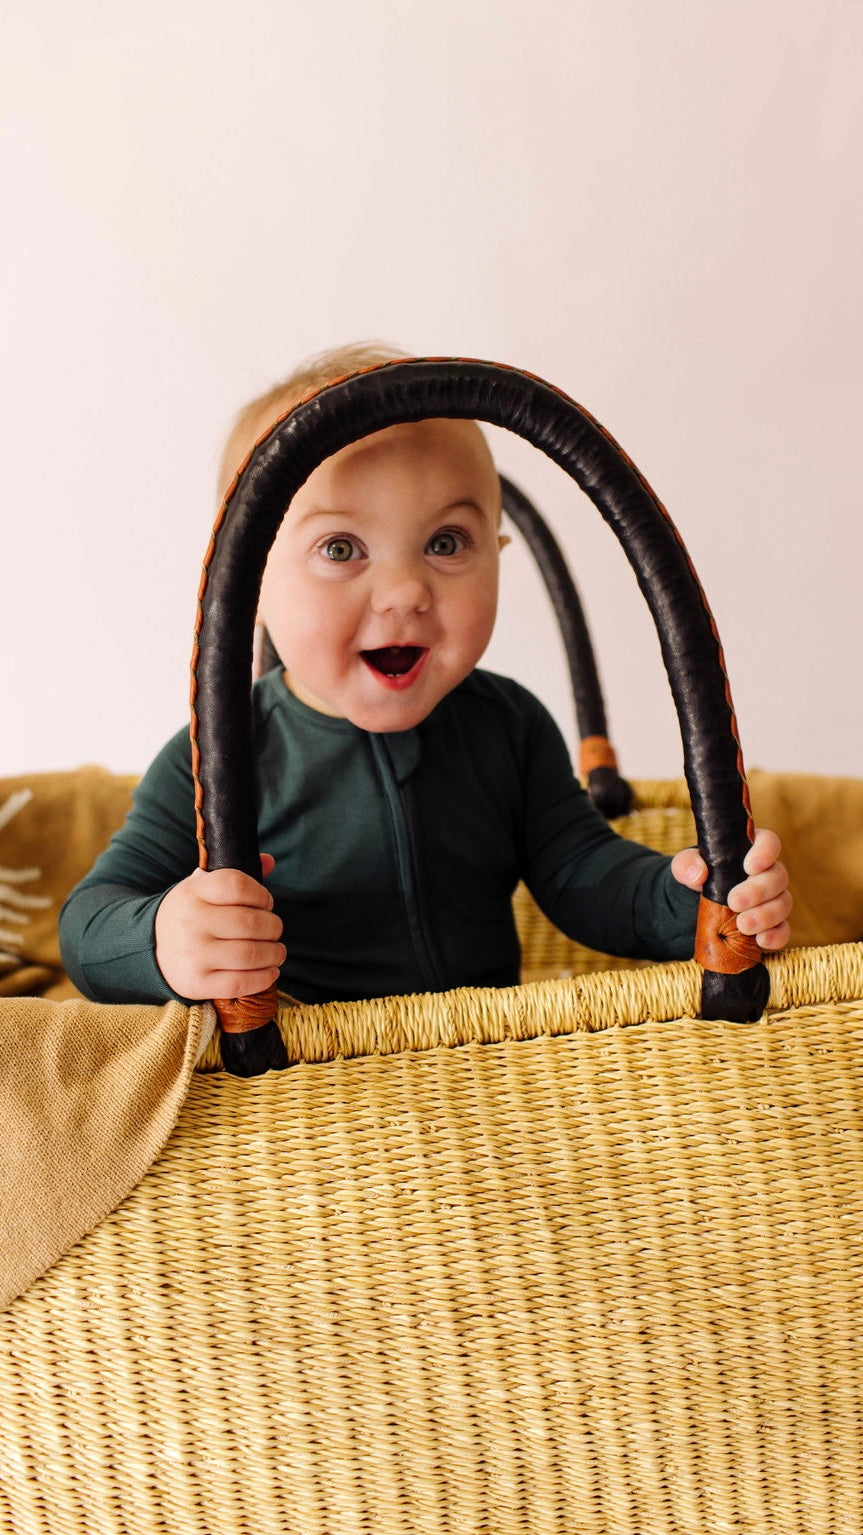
pixel 401 589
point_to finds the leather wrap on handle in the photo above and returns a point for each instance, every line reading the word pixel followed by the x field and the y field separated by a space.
pixel 597 763
pixel 395 392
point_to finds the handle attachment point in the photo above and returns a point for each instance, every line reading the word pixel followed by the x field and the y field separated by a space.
pixel 250 1039
pixel 719 944
pixel 595 752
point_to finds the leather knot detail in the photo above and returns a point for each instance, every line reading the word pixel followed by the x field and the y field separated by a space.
pixel 719 944
pixel 240 1015
pixel 595 752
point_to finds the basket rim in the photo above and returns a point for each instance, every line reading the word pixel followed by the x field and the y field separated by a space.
pixel 592 1003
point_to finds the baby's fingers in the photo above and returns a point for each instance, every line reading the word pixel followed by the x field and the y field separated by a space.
pixel 764 851
pixel 246 924
pixel 242 983
pixel 689 868
pixel 768 924
pixel 240 970
pixel 763 901
pixel 230 887
pixel 758 889
pixel 763 905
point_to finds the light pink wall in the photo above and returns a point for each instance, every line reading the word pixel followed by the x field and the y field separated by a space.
pixel 657 207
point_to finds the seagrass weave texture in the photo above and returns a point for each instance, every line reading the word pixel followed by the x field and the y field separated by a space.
pixel 550 1280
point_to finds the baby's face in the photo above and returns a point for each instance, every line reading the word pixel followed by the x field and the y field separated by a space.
pixel 380 591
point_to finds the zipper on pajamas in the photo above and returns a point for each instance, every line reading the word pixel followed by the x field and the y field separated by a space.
pixel 399 801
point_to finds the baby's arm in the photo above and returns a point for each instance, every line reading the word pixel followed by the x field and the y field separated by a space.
pixel 762 901
pixel 218 936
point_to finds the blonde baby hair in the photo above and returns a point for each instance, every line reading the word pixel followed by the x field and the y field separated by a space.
pixel 313 373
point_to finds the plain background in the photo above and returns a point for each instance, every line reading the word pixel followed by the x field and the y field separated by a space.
pixel 655 206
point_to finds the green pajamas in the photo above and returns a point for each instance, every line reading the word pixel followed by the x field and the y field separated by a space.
pixel 396 855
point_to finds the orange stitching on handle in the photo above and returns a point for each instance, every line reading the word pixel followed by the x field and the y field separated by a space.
pixel 719 944
pixel 240 1015
pixel 193 683
pixel 595 752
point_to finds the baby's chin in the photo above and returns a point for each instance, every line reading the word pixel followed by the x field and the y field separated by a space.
pixel 390 721
pixel 395 712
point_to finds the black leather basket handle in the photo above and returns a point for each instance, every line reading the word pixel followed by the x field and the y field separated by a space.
pixel 597 758
pixel 735 982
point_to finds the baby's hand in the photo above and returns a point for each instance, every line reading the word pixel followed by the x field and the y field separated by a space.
pixel 218 936
pixel 762 901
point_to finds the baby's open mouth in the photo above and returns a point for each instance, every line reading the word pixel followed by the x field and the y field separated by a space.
pixel 393 660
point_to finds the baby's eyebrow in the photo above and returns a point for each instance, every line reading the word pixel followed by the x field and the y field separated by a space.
pixel 468 501
pixel 343 514
pixel 486 513
pixel 323 511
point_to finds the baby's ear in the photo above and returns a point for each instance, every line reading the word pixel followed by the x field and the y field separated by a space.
pixel 503 540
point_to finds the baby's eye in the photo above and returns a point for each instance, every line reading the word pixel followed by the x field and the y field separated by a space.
pixel 340 550
pixel 446 542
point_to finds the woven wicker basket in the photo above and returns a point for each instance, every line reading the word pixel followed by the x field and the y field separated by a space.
pixel 487 1262
pixel 490 1261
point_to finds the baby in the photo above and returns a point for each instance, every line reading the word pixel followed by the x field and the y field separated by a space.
pixel 402 793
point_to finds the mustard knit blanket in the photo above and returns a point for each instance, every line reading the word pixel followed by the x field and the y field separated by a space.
pixel 90 1095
